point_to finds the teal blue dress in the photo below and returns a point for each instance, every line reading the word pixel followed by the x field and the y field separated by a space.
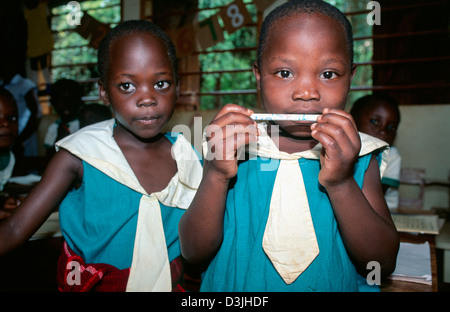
pixel 98 220
pixel 241 263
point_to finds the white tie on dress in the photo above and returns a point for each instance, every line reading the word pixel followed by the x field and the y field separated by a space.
pixel 289 238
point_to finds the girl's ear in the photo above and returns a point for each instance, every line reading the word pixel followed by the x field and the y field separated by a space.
pixel 352 73
pixel 257 74
pixel 103 95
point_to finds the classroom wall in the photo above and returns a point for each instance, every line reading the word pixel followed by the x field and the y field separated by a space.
pixel 423 141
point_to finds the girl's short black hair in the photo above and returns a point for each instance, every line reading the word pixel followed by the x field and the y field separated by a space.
pixel 295 7
pixel 64 85
pixel 130 27
pixel 361 104
pixel 7 95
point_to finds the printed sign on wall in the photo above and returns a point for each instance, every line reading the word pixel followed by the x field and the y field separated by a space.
pixel 208 32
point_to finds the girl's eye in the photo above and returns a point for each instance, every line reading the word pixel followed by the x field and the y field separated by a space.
pixel 374 122
pixel 284 74
pixel 161 85
pixel 127 87
pixel 12 118
pixel 392 128
pixel 328 75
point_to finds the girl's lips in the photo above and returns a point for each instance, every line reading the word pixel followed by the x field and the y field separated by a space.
pixel 148 120
pixel 306 112
pixel 6 139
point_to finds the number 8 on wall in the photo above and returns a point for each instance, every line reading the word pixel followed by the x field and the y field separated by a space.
pixel 235 16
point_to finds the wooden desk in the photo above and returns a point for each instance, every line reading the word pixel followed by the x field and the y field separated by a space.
pixel 401 286
pixel 32 266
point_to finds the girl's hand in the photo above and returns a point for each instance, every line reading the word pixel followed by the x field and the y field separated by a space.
pixel 9 205
pixel 337 132
pixel 230 129
pixel 13 202
pixel 4 214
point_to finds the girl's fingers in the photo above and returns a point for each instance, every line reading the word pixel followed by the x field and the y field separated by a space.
pixel 230 115
pixel 232 110
pixel 224 141
pixel 331 146
pixel 342 113
pixel 337 126
pixel 4 214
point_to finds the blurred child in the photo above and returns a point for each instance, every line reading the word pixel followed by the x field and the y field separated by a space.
pixel 121 185
pixel 29 109
pixel 65 97
pixel 8 135
pixel 307 214
pixel 378 115
pixel 93 113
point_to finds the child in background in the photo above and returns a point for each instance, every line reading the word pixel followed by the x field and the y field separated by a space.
pixel 308 214
pixel 121 185
pixel 65 97
pixel 8 135
pixel 29 109
pixel 93 113
pixel 378 115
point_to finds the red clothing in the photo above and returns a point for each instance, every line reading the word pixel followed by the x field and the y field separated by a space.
pixel 79 276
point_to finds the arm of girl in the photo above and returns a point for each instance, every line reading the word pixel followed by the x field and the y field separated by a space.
pixel 61 172
pixel 201 227
pixel 362 215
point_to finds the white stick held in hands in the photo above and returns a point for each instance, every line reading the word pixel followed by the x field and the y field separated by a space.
pixel 295 117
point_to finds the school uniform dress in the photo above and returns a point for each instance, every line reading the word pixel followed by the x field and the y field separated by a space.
pixel 111 220
pixel 6 173
pixel 52 131
pixel 391 178
pixel 242 264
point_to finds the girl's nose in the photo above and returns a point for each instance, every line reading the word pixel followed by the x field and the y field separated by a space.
pixel 4 122
pixel 146 103
pixel 306 91
pixel 146 97
pixel 382 129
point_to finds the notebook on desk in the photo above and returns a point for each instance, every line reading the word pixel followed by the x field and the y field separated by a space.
pixel 413 264
pixel 424 224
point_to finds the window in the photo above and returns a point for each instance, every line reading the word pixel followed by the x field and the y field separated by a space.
pixel 73 57
pixel 224 70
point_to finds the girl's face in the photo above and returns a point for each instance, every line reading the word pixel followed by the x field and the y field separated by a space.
pixel 381 121
pixel 140 84
pixel 305 68
pixel 8 123
pixel 66 105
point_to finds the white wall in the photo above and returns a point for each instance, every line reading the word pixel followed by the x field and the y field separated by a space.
pixel 423 140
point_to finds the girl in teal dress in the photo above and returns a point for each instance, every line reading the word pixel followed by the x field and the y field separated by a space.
pixel 123 183
pixel 301 209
